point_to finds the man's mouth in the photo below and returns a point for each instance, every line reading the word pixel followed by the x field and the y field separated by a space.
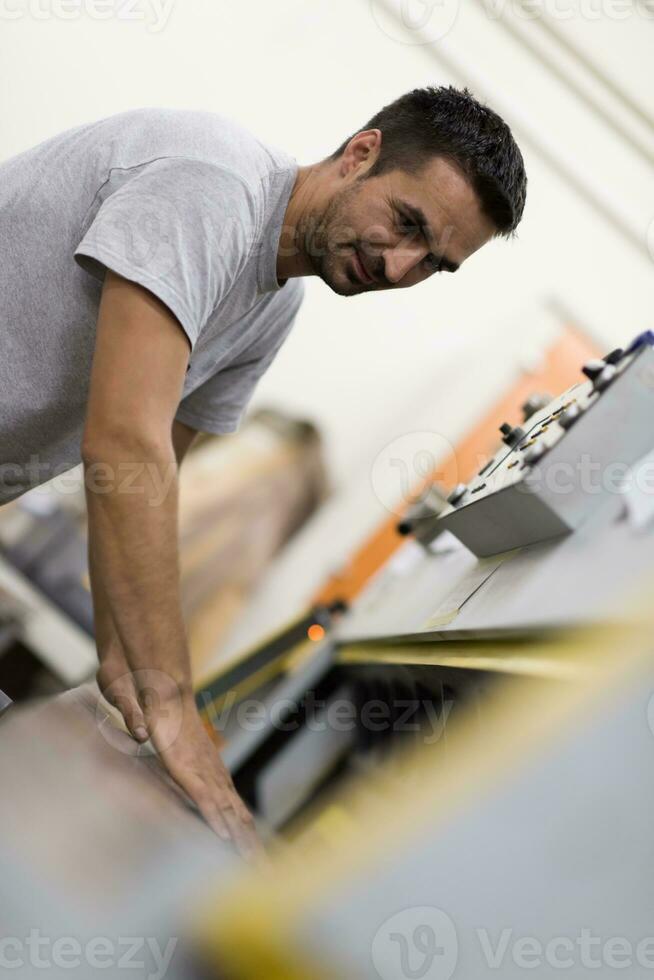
pixel 360 270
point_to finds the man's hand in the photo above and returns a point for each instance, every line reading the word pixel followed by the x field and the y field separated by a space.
pixel 193 760
pixel 183 745
pixel 116 682
pixel 139 365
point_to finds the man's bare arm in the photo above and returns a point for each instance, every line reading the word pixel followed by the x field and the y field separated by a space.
pixel 114 676
pixel 140 360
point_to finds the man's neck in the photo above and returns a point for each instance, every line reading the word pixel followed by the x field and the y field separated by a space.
pixel 306 198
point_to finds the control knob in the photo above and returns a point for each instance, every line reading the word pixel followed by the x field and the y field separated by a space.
pixel 511 435
pixel 457 494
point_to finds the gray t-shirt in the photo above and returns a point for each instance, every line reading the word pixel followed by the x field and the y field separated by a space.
pixel 188 204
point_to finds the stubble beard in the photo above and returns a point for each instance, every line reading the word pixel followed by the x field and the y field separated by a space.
pixel 328 240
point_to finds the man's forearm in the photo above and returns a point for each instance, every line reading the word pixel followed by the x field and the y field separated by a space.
pixel 114 676
pixel 134 555
pixel 106 635
pixel 130 442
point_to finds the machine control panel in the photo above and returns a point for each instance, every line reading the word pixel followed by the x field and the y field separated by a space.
pixel 552 472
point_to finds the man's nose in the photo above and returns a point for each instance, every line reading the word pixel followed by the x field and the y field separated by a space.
pixel 399 261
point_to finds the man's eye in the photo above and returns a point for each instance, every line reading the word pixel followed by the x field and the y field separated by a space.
pixel 406 225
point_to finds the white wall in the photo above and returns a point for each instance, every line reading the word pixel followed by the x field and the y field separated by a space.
pixel 306 73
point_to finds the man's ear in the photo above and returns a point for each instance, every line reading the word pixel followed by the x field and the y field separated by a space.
pixel 361 153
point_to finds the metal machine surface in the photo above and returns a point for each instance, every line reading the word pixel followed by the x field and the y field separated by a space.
pixel 521 801
pixel 526 619
pixel 440 626
pixel 550 476
pixel 503 558
pixel 535 824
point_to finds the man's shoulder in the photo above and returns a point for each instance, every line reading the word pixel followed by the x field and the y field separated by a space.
pixel 200 135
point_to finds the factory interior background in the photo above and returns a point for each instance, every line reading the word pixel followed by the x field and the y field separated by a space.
pixel 302 77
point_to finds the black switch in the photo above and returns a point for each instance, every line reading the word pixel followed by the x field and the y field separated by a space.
pixel 615 356
pixel 510 435
pixel 593 368
pixel 457 494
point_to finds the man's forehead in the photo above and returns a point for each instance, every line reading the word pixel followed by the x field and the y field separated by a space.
pixel 450 205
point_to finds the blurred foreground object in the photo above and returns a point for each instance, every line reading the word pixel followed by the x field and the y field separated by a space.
pixel 523 839
pixel 97 844
pixel 285 763
pixel 457 760
pixel 5 703
pixel 241 498
pixel 484 736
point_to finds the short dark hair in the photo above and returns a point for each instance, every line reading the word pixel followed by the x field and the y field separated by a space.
pixel 443 121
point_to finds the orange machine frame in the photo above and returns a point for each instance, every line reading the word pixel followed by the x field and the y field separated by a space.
pixel 560 370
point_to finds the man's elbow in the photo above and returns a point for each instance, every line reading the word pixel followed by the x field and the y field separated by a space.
pixel 114 444
pixel 129 467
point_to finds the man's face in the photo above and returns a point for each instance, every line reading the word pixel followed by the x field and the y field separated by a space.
pixel 397 229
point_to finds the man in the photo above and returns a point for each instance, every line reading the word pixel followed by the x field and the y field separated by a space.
pixel 151 266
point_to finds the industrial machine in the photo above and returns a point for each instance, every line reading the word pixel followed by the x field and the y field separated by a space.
pixel 478 582
pixel 500 666
pixel 550 475
pixel 450 754
pixel 298 658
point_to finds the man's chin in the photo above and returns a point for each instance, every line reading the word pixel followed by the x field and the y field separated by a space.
pixel 346 290
pixel 343 286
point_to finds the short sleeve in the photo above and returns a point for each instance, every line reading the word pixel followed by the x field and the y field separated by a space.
pixel 218 404
pixel 181 228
